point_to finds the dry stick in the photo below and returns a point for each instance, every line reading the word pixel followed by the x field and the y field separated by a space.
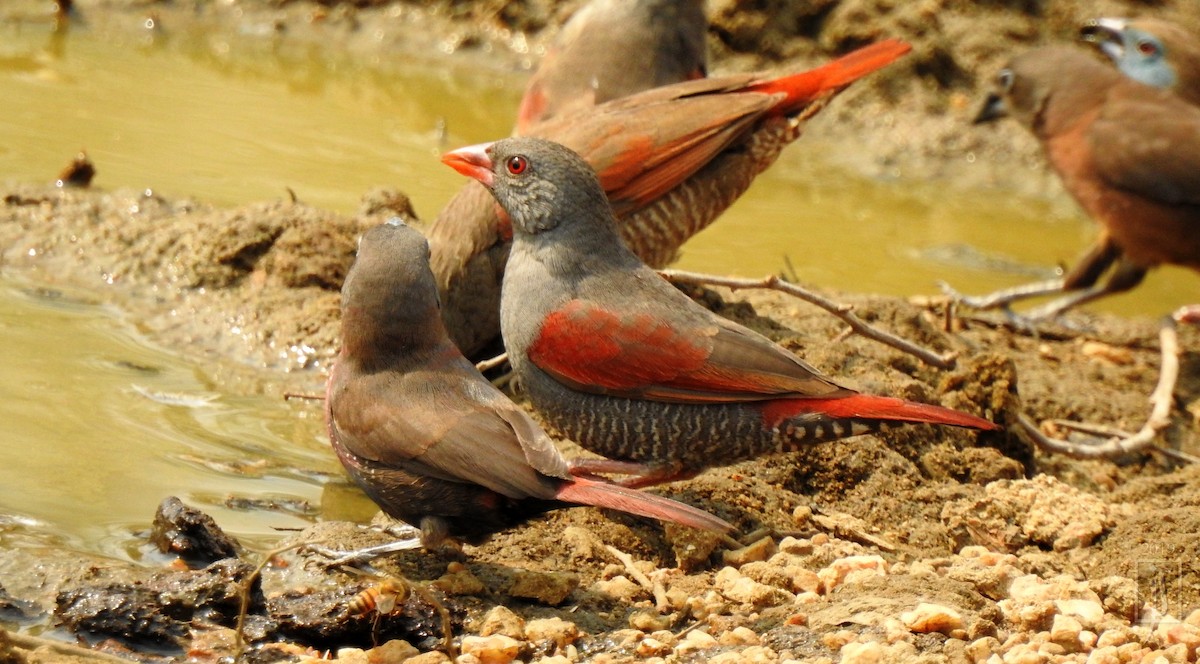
pixel 1160 412
pixel 492 363
pixel 842 311
pixel 244 605
pixel 660 594
pixel 288 396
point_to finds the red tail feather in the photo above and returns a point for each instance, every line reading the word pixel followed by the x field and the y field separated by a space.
pixel 871 407
pixel 804 87
pixel 603 494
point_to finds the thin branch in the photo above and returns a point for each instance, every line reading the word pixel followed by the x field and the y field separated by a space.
pixel 1118 442
pixel 486 365
pixel 842 311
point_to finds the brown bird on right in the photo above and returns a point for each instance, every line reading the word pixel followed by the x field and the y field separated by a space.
pixel 670 160
pixel 1127 152
pixel 425 435
pixel 614 48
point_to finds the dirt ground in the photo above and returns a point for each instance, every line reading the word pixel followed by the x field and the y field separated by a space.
pixel 918 544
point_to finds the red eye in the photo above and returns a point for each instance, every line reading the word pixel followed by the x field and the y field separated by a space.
pixel 517 165
pixel 1147 48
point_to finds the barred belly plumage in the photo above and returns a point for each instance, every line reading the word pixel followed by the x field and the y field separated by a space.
pixel 694 435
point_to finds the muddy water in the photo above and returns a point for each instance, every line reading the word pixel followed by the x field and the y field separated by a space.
pixel 100 424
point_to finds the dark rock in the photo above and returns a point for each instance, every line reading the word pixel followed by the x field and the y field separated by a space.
pixel 191 534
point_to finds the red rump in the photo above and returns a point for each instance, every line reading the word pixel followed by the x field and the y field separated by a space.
pixel 804 87
pixel 869 407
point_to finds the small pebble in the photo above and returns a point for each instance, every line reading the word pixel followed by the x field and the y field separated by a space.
pixel 563 633
pixel 502 620
pixel 495 649
pixel 862 653
pixel 927 617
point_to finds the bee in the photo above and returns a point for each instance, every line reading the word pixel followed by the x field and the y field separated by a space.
pixel 380 598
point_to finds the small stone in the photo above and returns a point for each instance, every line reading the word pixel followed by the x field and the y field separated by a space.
pixel 1171 632
pixel 801 515
pixel 652 647
pixel 1177 653
pixel 352 656
pixel 836 573
pixel 431 657
pixel 396 650
pixel 820 539
pixel 796 547
pixel 502 620
pixel 862 653
pixel 620 587
pixel 1088 612
pixel 1065 631
pixel 927 617
pixel 732 584
pixel 835 640
pixel 494 649
pixel 561 632
pixel 739 636
pixel 980 650
pixel 458 580
pixel 1193 618
pixel 1111 638
pixel 759 550
pixel 1105 655
pixel 695 640
pixel 649 620
pixel 550 588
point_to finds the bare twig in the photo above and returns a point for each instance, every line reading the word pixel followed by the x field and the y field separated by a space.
pixel 247 584
pixel 288 396
pixel 485 365
pixel 1119 442
pixel 842 311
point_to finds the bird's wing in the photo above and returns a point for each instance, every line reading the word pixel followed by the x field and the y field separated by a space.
pixel 644 145
pixel 692 359
pixel 452 426
pixel 1148 142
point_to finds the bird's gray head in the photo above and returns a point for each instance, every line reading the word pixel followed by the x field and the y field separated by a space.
pixel 540 184
pixel 1139 49
pixel 389 291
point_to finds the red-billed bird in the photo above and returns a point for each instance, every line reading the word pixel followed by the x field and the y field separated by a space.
pixel 424 434
pixel 624 363
pixel 613 48
pixel 1128 153
pixel 670 160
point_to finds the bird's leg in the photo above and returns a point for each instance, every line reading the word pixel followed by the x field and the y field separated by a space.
pixel 1086 272
pixel 1126 276
pixel 1004 297
pixel 1119 442
pixel 639 474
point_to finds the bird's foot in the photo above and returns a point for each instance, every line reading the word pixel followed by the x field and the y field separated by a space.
pixel 639 475
pixel 1002 298
pixel 1187 314
pixel 367 554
